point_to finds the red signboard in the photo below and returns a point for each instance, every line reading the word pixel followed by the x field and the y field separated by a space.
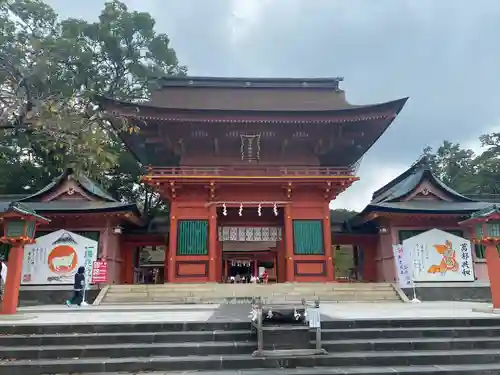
pixel 99 272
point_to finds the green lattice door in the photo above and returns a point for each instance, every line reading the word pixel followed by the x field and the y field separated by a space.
pixel 308 237
pixel 192 237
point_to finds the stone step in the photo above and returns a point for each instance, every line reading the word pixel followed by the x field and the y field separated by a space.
pixel 222 348
pixel 219 293
pixel 244 362
pixel 250 291
pixel 246 300
pixel 97 329
pixel 411 344
pixel 274 287
pixel 364 326
pixel 127 350
pixel 408 333
pixel 490 369
pixel 371 335
pixel 110 338
pixel 198 346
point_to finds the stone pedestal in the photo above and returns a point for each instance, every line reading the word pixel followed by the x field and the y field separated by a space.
pixel 282 331
pixel 286 337
pixel 283 315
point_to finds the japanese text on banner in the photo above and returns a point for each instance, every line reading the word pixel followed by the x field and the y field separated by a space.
pixel 403 266
pixel 465 260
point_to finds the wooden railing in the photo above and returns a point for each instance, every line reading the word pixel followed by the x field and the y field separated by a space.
pixel 251 171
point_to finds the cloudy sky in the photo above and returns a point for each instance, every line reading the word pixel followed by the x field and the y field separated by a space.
pixel 443 54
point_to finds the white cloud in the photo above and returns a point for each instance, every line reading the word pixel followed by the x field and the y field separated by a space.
pixel 475 145
pixel 245 16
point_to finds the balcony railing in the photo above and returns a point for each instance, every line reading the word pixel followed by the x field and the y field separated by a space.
pixel 251 171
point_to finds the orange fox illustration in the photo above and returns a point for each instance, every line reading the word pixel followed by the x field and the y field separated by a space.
pixel 449 261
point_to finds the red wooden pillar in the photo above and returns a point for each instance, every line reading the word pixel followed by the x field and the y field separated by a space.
pixel 128 264
pixel 13 282
pixel 212 245
pixel 369 265
pixel 219 263
pixel 493 264
pixel 172 244
pixel 289 274
pixel 327 241
pixel 281 260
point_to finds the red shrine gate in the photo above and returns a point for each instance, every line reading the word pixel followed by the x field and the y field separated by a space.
pixel 216 146
pixel 208 233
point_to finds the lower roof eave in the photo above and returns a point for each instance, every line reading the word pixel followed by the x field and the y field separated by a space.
pixel 104 210
pixel 379 210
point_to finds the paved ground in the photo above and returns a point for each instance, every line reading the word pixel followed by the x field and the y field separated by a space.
pixel 234 312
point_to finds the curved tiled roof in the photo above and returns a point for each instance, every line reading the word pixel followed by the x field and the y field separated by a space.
pixel 85 183
pixel 405 183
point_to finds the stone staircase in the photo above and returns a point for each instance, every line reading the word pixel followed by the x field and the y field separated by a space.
pixel 369 347
pixel 244 293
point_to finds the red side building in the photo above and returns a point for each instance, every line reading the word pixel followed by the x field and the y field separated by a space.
pixel 74 202
pixel 249 167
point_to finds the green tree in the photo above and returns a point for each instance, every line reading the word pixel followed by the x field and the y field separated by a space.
pixel 51 71
pixel 488 164
pixel 339 215
pixel 455 166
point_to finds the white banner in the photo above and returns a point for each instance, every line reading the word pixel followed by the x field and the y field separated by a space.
pixel 55 258
pixel 440 256
pixel 404 267
pixel 4 272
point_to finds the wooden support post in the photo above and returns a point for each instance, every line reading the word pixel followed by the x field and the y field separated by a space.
pixel 260 333
pixel 172 244
pixel 318 340
pixel 13 282
pixel 290 274
pixel 212 244
pixel 318 329
pixel 127 263
pixel 369 251
pixel 493 264
pixel 327 241
pixel 130 265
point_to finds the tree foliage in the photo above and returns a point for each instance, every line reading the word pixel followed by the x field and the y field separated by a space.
pixel 51 72
pixel 341 215
pixel 465 171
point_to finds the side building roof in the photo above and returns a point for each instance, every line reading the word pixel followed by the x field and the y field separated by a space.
pixel 393 197
pixel 406 182
pixel 89 186
pixel 102 201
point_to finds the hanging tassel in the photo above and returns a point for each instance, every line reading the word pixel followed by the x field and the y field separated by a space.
pixel 224 209
pixel 275 210
pixel 241 210
pixel 259 210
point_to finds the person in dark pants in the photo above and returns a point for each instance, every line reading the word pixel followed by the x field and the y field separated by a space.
pixel 78 287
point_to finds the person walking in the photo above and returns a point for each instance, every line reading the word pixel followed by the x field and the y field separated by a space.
pixel 78 287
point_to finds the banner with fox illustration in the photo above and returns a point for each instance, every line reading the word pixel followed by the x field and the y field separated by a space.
pixel 440 256
pixel 55 258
